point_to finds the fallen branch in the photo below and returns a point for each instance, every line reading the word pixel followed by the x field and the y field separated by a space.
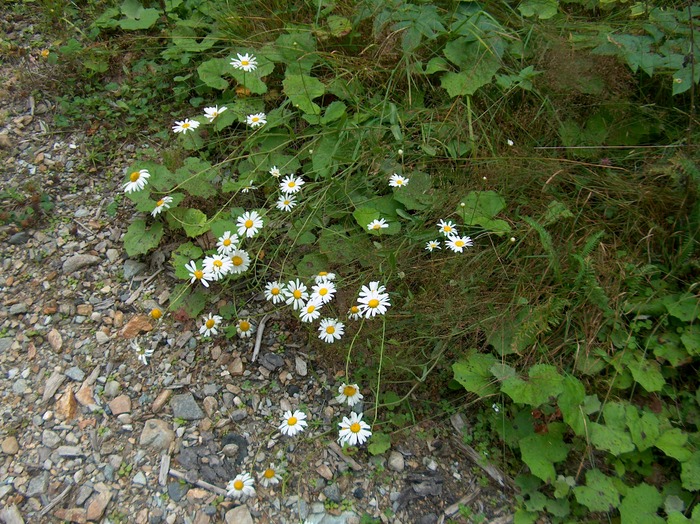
pixel 55 501
pixel 258 336
pixel 199 483
pixel 350 461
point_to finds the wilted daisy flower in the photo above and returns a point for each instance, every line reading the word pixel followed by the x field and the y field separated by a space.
pixel 240 261
pixel 137 181
pixel 510 142
pixel 241 486
pixel 217 265
pixel 275 171
pixel 293 423
pixel 163 203
pixel 212 112
pixel 324 276
pixel 349 393
pixel 323 291
pixel 256 120
pixel 286 202
pixel 198 274
pixel 270 476
pixel 433 244
pixel 373 301
pixel 330 330
pixel 457 243
pixel 183 126
pixel 376 225
pixel 227 243
pixel 353 430
pixel 245 62
pixel 447 228
pixel 296 294
pixel 291 184
pixel 244 328
pixel 210 323
pixel 142 354
pixel 249 187
pixel 397 180
pixel 354 312
pixel 274 292
pixel 249 223
pixel 311 310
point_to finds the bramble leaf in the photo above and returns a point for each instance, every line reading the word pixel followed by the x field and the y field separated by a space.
pixel 139 239
pixel 301 90
pixel 472 372
pixel 379 443
pixel 540 452
pixel 599 493
pixel 641 504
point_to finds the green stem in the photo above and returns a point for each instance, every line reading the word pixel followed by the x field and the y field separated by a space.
pixel 347 359
pixel 379 372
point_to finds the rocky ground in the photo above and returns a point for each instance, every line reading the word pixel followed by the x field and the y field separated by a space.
pixel 91 434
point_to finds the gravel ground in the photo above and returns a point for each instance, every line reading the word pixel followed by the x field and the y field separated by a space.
pixel 91 434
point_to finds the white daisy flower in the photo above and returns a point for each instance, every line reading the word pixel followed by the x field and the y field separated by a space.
pixel 349 393
pixel 354 312
pixel 271 476
pixel 433 244
pixel 330 330
pixel 324 276
pixel 245 328
pixel 373 301
pixel 291 184
pixel 457 243
pixel 208 328
pixel 274 292
pixel 323 291
pixel 250 187
pixel 142 354
pixel 256 120
pixel 296 294
pixel 447 228
pixel 198 274
pixel 240 261
pixel 212 112
pixel 293 423
pixel 275 171
pixel 397 180
pixel 376 225
pixel 249 223
pixel 241 486
pixel 217 265
pixel 286 202
pixel 183 126
pixel 227 243
pixel 311 310
pixel 245 62
pixel 510 142
pixel 137 181
pixel 162 204
pixel 353 430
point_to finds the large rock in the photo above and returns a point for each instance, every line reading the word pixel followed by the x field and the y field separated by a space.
pixel 98 505
pixel 185 407
pixel 77 262
pixel 239 515
pixel 156 434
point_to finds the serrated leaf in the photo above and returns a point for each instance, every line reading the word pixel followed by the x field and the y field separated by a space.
pixel 643 429
pixel 379 443
pixel 338 25
pixel 195 177
pixel 301 90
pixel 473 373
pixel 685 307
pixel 541 452
pixel 570 403
pixel 137 17
pixel 647 373
pixel 211 73
pixel 417 194
pixel 479 204
pixel 479 64
pixel 615 441
pixel 673 443
pixel 641 504
pixel 140 239
pixel 543 9
pixel 691 339
pixel 599 493
pixel 182 256
pixel 193 221
pixel 544 381
pixel 690 472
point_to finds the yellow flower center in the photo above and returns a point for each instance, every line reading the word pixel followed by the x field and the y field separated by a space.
pixel 459 243
pixel 275 291
pixel 238 485
pixel 447 229
pixel 377 226
pixel 373 303
pixel 45 52
pixel 296 293
pixel 244 325
pixel 291 183
pixel 322 273
pixel 244 62
pixel 255 119
pixel 349 391
pixel 310 309
pixel 269 473
pixel 249 223
pixel 355 427
pixel 218 263
pixel 354 310
pixel 210 323
pixel 134 176
pixel 330 330
pixel 399 182
pixel 160 202
pixel 227 242
pixel 156 313
pixel 186 125
pixel 198 274
pixel 237 261
pixel 287 202
pixel 292 421
pixel 323 291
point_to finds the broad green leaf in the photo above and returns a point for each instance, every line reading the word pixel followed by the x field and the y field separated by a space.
pixel 182 256
pixel 473 373
pixel 541 452
pixel 570 403
pixel 690 472
pixel 544 381
pixel 137 17
pixel 436 64
pixel 641 504
pixel 379 443
pixel 211 73
pixel 685 307
pixel 615 441
pixel 301 90
pixel 683 79
pixel 140 239
pixel 480 204
pixel 673 443
pixel 599 493
pixel 417 194
pixel 338 245
pixel 192 301
pixel 644 430
pixel 647 373
pixel 195 177
pixel 220 226
pixel 296 50
pixel 187 39
pixel 193 221
pixel 478 64
pixel 372 211
pixel 333 112
pixel 253 80
pixel 543 9
pixel 691 339
pixel 312 264
pixel 338 25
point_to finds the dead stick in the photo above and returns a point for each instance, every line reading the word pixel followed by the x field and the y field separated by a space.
pixel 55 501
pixel 339 451
pixel 258 336
pixel 199 483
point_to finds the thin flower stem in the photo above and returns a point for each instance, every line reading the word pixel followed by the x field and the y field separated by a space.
pixel 379 372
pixel 347 360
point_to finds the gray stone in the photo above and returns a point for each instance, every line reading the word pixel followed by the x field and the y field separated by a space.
pixel 332 493
pixel 239 515
pixel 77 262
pixel 177 490
pixel 272 361
pixel 10 446
pixel 112 388
pixel 84 493
pixel 70 451
pixel 50 439
pixel 75 373
pixel 185 407
pixel 18 238
pixel 52 384
pixel 6 343
pixel 343 518
pixel 395 462
pixel 430 518
pixel 239 414
pixel 301 367
pixel 112 255
pixel 19 386
pixel 18 309
pixel 11 515
pixel 81 212
pixel 37 485
pixel 210 389
pixel 156 434
pixel 101 337
pixel 133 268
pixel 139 479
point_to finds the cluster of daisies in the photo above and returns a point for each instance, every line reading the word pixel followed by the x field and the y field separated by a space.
pixel 352 431
pixel 289 187
pixel 454 242
pixel 395 181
